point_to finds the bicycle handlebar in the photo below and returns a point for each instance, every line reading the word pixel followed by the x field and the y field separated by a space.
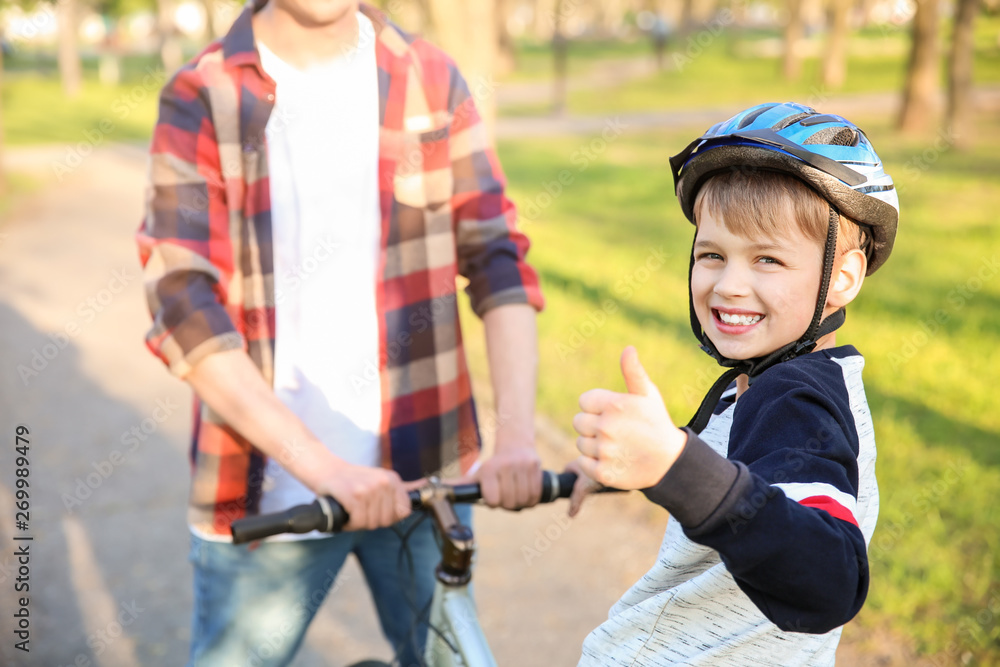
pixel 327 515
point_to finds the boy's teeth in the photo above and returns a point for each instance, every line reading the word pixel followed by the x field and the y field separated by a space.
pixel 739 319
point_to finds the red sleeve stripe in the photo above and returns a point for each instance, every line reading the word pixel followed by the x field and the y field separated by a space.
pixel 831 506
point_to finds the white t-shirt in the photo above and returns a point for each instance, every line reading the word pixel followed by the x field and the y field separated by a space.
pixel 322 142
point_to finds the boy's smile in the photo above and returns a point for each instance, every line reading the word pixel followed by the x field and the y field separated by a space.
pixel 752 296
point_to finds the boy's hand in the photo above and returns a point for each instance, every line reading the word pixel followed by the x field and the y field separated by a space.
pixel 583 487
pixel 628 441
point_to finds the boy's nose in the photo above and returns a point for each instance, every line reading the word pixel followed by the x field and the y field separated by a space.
pixel 733 282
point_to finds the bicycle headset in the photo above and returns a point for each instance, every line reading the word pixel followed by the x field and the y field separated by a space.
pixel 832 156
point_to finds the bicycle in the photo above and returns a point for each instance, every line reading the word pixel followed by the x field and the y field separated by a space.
pixel 455 637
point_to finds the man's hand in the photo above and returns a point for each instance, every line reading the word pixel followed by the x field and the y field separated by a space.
pixel 234 388
pixel 373 497
pixel 628 441
pixel 512 477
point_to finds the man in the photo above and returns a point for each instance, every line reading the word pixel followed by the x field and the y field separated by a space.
pixel 318 181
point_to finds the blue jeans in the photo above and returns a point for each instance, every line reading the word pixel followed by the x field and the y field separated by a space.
pixel 252 607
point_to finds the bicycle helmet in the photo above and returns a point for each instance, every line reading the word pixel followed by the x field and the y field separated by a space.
pixel 827 152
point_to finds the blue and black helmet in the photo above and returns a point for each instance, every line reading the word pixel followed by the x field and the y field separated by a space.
pixel 828 152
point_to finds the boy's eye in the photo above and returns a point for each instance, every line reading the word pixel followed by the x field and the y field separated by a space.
pixel 771 260
pixel 708 255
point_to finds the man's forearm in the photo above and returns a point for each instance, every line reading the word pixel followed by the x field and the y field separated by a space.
pixel 233 387
pixel 512 348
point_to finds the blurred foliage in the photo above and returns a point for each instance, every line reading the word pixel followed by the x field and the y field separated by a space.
pixel 119 8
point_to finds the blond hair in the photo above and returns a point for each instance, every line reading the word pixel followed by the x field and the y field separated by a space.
pixel 752 203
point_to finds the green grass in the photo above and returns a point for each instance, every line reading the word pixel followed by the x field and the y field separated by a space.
pixel 37 112
pixel 931 349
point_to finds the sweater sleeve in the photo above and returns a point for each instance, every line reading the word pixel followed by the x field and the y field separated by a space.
pixel 781 509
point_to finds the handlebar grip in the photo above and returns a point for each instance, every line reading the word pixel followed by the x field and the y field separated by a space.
pixel 324 514
pixel 557 485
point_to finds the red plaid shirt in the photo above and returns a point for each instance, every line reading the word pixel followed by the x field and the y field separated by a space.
pixel 206 247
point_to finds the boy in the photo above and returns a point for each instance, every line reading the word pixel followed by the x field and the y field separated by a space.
pixel 771 487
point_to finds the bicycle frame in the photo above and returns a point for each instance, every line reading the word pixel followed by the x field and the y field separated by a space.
pixel 453 614
pixel 455 638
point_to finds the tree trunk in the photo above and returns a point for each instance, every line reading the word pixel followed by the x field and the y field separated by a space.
pixel 791 65
pixel 70 71
pixel 506 55
pixel 170 48
pixel 835 60
pixel 210 19
pixel 960 107
pixel 3 175
pixel 543 19
pixel 610 17
pixel 867 7
pixel 922 71
pixel 687 17
pixel 467 30
pixel 559 56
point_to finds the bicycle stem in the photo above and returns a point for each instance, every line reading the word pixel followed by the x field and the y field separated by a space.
pixel 458 545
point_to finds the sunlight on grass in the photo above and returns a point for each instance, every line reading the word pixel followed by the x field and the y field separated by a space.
pixel 37 112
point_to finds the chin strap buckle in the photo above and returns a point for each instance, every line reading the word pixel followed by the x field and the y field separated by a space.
pixel 802 347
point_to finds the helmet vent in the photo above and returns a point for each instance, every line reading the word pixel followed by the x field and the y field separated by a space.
pixel 751 117
pixel 834 136
pixel 785 122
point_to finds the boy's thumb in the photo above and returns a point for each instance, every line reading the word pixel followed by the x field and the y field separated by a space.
pixel 636 379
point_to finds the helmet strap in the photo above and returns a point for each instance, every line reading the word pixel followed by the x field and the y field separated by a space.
pixel 818 328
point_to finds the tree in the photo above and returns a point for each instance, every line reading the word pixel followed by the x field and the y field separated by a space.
pixel 922 71
pixel 170 47
pixel 791 64
pixel 211 9
pixel 835 58
pixel 467 30
pixel 959 115
pixel 3 177
pixel 506 55
pixel 560 49
pixel 70 70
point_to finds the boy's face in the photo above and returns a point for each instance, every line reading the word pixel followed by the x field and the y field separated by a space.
pixel 752 296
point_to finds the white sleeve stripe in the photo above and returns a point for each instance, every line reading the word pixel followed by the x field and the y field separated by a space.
pixel 798 491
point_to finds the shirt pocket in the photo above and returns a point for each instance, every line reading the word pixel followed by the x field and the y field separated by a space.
pixel 423 177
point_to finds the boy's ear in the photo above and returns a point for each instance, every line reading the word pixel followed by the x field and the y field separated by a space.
pixel 848 276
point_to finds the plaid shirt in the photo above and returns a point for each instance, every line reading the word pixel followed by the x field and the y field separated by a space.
pixel 206 248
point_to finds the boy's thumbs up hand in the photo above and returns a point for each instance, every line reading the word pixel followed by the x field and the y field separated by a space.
pixel 628 441
pixel 636 379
